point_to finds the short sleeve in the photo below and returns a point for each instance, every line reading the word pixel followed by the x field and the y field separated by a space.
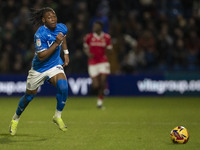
pixel 86 41
pixel 63 28
pixel 40 43
pixel 108 42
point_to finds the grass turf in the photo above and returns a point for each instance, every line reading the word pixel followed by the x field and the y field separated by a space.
pixel 139 123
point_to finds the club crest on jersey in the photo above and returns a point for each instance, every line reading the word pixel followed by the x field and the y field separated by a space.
pixel 38 42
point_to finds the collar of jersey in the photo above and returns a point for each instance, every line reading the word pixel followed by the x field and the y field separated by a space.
pixel 98 36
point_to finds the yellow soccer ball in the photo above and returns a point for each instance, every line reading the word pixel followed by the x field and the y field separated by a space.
pixel 179 135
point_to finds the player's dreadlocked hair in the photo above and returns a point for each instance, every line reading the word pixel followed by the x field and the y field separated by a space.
pixel 38 14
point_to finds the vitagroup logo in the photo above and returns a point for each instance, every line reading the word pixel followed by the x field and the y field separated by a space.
pixel 79 85
pixel 10 87
pixel 162 86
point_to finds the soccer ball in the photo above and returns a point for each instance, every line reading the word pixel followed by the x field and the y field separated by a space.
pixel 179 135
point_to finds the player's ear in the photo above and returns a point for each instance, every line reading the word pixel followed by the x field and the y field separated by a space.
pixel 43 20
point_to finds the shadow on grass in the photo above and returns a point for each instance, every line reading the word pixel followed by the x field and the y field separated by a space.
pixel 6 138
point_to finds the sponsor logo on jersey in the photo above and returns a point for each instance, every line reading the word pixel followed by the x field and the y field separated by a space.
pixel 49 44
pixel 59 67
pixel 100 44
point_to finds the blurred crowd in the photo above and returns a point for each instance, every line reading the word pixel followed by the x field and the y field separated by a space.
pixel 147 35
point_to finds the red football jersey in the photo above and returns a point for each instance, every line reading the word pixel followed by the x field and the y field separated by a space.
pixel 97 46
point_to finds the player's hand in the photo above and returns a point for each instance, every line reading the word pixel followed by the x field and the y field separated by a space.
pixel 59 38
pixel 90 55
pixel 66 57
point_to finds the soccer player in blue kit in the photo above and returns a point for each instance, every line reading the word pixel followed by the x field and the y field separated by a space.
pixel 47 64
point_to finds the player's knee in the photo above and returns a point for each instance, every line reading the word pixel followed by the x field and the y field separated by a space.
pixel 29 97
pixel 95 85
pixel 62 89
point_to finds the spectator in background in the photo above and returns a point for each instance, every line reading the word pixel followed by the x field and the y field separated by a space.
pixel 9 9
pixel 81 66
pixel 18 63
pixel 147 44
pixel 193 46
pixel 134 60
pixel 65 10
pixel 178 55
pixel 129 17
pixel 164 45
pixel 5 62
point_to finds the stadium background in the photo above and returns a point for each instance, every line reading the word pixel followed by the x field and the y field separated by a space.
pixel 156 44
pixel 156 52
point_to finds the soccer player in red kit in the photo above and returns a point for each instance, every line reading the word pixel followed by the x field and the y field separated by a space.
pixel 96 46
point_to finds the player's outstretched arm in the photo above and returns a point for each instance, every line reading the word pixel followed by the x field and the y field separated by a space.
pixel 45 54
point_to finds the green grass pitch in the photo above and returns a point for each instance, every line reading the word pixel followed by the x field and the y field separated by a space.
pixel 127 123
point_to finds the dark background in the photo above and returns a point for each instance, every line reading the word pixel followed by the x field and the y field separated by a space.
pixel 147 35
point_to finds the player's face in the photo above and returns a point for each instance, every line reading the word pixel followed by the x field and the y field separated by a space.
pixel 50 19
pixel 96 27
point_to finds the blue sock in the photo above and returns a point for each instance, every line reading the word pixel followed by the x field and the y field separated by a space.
pixel 24 101
pixel 62 93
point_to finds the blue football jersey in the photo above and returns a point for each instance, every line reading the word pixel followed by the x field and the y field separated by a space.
pixel 43 39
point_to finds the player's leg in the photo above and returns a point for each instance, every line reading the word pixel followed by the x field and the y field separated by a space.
pixel 60 82
pixel 102 79
pixel 95 85
pixel 94 72
pixel 104 70
pixel 96 90
pixel 23 103
pixel 34 80
pixel 96 82
pixel 94 75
